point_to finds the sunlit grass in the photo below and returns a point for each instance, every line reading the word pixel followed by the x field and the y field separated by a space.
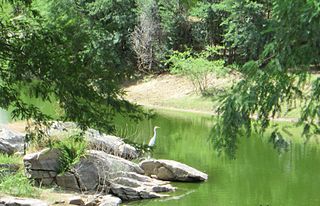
pixel 18 185
pixel 10 159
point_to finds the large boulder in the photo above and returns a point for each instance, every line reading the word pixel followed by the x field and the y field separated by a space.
pixel 172 170
pixel 92 172
pixel 97 140
pixel 42 166
pixel 13 201
pixel 10 141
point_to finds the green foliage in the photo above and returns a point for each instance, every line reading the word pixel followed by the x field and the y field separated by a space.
pixel 72 149
pixel 68 56
pixel 197 67
pixel 18 185
pixel 278 77
pixel 10 159
pixel 207 28
pixel 246 28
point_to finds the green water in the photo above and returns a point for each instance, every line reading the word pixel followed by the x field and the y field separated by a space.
pixel 258 177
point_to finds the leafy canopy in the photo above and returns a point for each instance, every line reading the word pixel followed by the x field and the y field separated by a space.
pixel 278 77
pixel 66 55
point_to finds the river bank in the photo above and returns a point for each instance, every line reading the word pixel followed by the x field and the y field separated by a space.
pixel 176 93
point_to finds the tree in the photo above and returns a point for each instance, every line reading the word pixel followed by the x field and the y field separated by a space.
pixel 277 77
pixel 60 57
pixel 147 37
pixel 246 23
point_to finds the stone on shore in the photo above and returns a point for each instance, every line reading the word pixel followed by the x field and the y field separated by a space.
pixel 133 186
pixel 14 201
pixel 172 170
pixel 10 141
pixel 109 200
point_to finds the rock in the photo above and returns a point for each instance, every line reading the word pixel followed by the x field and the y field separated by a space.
pixel 57 202
pixel 110 144
pixel 11 142
pixel 109 200
pixel 133 186
pixel 13 201
pixel 68 181
pixel 172 171
pixel 97 141
pixel 42 166
pixel 76 200
pixel 92 172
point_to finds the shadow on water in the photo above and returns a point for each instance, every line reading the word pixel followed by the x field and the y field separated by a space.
pixel 259 175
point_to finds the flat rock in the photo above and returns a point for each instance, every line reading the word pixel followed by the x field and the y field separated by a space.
pixel 133 186
pixel 172 170
pixel 10 141
pixel 76 200
pixel 13 201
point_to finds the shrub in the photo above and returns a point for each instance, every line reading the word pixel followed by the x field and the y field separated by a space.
pixel 72 149
pixel 197 66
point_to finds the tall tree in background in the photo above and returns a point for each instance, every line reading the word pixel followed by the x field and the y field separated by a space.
pixel 147 38
pixel 246 28
pixel 277 77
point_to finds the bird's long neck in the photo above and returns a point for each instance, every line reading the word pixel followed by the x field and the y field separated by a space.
pixel 155 132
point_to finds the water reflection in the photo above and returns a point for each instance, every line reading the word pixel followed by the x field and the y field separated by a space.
pixel 258 176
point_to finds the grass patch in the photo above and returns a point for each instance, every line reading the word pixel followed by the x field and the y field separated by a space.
pixel 193 102
pixel 18 185
pixel 10 159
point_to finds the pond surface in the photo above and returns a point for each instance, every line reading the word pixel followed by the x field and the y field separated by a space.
pixel 258 177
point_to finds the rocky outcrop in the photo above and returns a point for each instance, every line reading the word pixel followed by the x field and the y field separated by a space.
pixel 92 172
pixel 42 166
pixel 11 142
pixel 13 201
pixel 172 171
pixel 97 140
pixel 133 186
pixel 97 172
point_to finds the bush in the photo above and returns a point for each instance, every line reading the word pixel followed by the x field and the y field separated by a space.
pixel 197 66
pixel 72 149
